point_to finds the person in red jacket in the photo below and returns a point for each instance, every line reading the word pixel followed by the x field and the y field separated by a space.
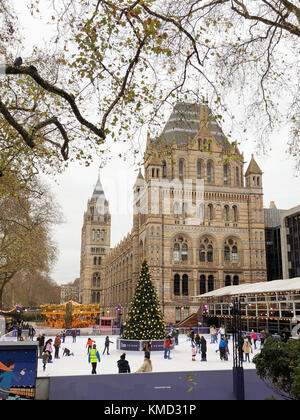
pixel 57 343
pixel 89 344
pixel 167 348
pixel 254 338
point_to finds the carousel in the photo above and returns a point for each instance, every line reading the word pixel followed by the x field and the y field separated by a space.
pixel 70 315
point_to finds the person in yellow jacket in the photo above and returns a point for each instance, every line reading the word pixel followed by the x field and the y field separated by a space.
pixel 94 358
pixel 146 366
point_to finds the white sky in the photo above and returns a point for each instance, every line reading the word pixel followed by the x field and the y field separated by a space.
pixel 75 186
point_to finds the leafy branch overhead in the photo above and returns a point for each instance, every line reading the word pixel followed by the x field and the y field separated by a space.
pixel 112 67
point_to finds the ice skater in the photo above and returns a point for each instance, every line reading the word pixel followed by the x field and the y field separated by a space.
pixel 89 344
pixel 203 348
pixel 94 358
pixel 106 345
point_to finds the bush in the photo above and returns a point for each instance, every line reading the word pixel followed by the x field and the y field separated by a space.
pixel 278 365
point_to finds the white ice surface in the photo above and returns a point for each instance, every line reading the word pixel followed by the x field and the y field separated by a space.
pixel 181 359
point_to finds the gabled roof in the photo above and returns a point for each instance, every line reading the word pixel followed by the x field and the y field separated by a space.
pixel 253 168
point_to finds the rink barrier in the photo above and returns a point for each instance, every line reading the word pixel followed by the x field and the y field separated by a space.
pixel 139 345
pixel 155 386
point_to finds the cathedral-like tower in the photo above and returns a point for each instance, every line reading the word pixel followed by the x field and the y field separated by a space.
pixel 95 244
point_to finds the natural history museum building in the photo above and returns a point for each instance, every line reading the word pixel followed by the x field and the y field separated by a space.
pixel 198 219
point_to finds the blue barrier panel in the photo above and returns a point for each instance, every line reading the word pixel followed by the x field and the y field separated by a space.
pixel 170 386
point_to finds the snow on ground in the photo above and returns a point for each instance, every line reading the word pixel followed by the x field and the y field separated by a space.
pixel 181 359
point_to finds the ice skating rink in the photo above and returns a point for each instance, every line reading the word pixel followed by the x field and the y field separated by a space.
pixel 181 359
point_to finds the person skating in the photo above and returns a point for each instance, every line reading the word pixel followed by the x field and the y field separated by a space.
pixel 74 335
pixel 45 359
pixel 67 352
pixel 123 364
pixel 106 345
pixel 89 344
pixel 57 343
pixel 94 358
pixel 31 333
pixel 193 352
pixel 203 348
pixel 167 347
pixel 197 342
pixel 262 338
pixel 146 366
pixel 49 349
pixel 254 338
pixel 222 349
pixel 247 348
pixel 41 341
pixel 147 348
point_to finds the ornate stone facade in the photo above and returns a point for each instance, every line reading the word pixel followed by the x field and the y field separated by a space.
pixel 198 223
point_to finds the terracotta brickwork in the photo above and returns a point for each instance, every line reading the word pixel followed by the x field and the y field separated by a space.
pixel 198 219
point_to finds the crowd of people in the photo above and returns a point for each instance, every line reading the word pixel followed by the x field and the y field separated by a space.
pixel 50 349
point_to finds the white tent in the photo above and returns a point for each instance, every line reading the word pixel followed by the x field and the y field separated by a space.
pixel 275 286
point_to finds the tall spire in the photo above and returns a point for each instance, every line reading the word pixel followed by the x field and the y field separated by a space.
pixel 98 190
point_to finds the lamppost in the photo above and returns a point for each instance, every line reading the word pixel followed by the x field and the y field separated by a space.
pixel 238 370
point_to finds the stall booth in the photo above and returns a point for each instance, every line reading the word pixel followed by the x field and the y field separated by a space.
pixel 83 316
pixel 106 325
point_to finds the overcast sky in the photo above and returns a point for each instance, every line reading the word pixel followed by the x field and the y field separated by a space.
pixel 75 186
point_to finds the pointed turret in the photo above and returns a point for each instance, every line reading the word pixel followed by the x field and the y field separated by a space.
pixel 253 174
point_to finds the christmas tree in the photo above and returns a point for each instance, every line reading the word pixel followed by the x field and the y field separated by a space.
pixel 145 320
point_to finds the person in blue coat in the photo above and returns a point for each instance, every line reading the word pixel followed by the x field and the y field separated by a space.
pixel 222 348
pixel 94 358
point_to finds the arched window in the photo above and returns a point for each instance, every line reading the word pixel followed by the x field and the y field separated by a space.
pixel 176 252
pixel 184 252
pixel 210 212
pixel 98 297
pixel 227 253
pixel 209 172
pixel 237 176
pixel 185 285
pixel 99 260
pixel 95 260
pixel 96 280
pixel 202 284
pixel 210 253
pixel 202 253
pixel 177 285
pixel 227 281
pixel 199 170
pixel 236 280
pixel 226 213
pixel 211 283
pixel 235 257
pixel 164 169
pixel 181 169
pixel 200 212
pixel 157 173
pixel 176 208
pixel 153 172
pixel 225 170
pixel 235 213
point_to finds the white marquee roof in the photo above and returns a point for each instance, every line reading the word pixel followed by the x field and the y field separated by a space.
pixel 274 286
